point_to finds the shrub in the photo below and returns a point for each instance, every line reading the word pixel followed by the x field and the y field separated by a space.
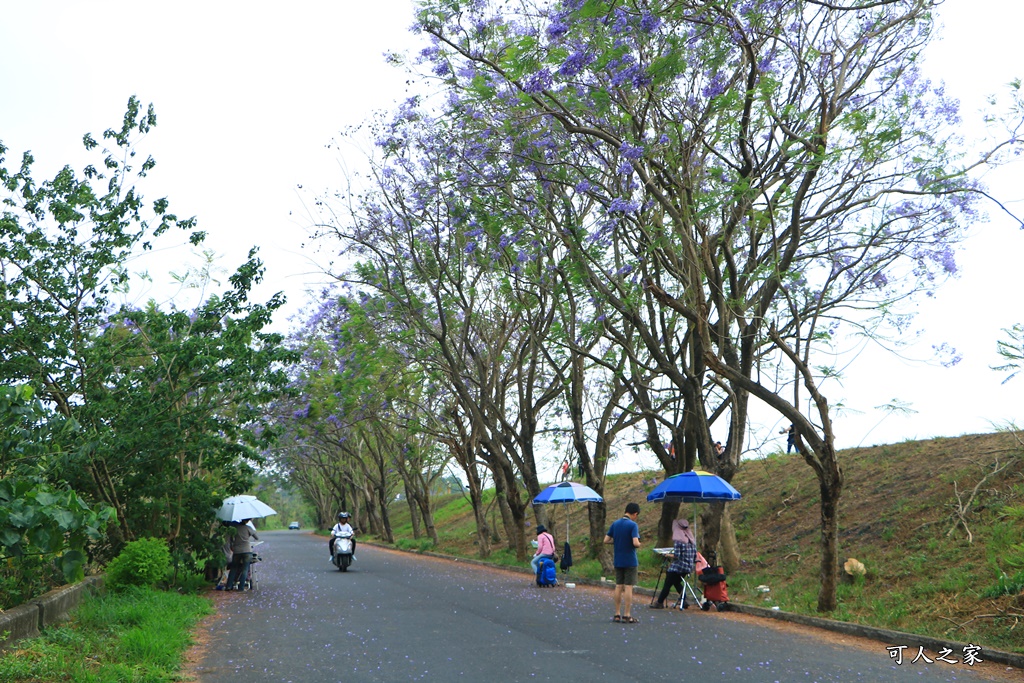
pixel 142 563
pixel 422 544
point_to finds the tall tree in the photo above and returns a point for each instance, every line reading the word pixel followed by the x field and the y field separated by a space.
pixel 167 405
pixel 763 170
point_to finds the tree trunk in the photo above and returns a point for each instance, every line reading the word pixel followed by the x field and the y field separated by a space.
pixel 598 516
pixel 830 489
pixel 710 530
pixel 669 514
pixel 385 519
pixel 483 530
pixel 476 499
pixel 730 558
pixel 414 517
pixel 501 498
pixel 428 517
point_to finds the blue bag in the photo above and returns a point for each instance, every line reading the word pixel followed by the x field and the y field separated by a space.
pixel 547 575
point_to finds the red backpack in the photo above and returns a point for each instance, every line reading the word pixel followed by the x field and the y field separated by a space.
pixel 715 588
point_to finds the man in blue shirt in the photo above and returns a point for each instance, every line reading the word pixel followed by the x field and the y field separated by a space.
pixel 625 535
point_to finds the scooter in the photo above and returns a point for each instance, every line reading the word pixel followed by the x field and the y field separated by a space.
pixel 342 556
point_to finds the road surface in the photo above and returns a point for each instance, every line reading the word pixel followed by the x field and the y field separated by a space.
pixel 400 617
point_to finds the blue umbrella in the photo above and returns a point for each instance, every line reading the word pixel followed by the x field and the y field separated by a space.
pixel 567 492
pixel 695 486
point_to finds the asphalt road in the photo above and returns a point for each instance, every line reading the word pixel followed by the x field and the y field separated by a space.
pixel 400 617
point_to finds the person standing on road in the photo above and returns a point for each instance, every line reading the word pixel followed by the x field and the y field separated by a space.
pixel 624 534
pixel 241 549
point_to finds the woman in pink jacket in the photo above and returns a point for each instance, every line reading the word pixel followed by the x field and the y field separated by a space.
pixel 545 547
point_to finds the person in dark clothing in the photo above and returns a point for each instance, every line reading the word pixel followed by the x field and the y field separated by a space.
pixel 790 437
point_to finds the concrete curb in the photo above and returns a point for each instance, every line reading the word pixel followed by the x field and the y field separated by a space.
pixel 892 638
pixel 28 620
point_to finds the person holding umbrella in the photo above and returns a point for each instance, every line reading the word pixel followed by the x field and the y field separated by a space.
pixel 241 548
pixel 625 535
pixel 684 558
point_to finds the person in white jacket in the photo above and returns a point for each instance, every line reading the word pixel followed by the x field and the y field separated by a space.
pixel 342 527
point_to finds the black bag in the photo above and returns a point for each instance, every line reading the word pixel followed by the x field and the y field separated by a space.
pixel 711 575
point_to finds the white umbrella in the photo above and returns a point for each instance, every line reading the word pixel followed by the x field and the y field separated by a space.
pixel 237 508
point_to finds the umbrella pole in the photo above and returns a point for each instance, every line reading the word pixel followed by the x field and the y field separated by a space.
pixel 696 536
pixel 566 506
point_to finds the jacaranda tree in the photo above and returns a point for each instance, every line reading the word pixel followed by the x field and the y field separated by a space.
pixel 769 171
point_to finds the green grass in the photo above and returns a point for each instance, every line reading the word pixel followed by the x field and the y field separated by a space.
pixel 136 636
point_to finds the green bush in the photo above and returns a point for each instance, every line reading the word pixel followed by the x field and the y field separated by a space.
pixel 421 544
pixel 142 563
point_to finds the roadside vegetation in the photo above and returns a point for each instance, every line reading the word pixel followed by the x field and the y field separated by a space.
pixel 138 635
pixel 943 547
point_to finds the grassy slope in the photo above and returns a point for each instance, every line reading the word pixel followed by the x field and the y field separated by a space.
pixel 896 512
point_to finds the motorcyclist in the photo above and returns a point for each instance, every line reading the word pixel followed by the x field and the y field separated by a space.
pixel 342 527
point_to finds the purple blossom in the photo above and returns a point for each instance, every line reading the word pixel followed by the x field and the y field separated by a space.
pixel 538 82
pixel 715 87
pixel 631 152
pixel 557 29
pixel 649 23
pixel 948 260
pixel 575 63
pixel 947 355
pixel 620 205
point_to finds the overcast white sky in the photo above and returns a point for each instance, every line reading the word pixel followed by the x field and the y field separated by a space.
pixel 248 95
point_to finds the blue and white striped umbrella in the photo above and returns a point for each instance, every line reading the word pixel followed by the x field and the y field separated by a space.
pixel 567 492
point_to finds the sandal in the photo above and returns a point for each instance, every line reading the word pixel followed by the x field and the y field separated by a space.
pixel 617 619
pixel 630 620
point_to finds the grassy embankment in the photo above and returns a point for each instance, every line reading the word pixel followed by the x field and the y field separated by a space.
pixel 137 636
pixel 898 508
